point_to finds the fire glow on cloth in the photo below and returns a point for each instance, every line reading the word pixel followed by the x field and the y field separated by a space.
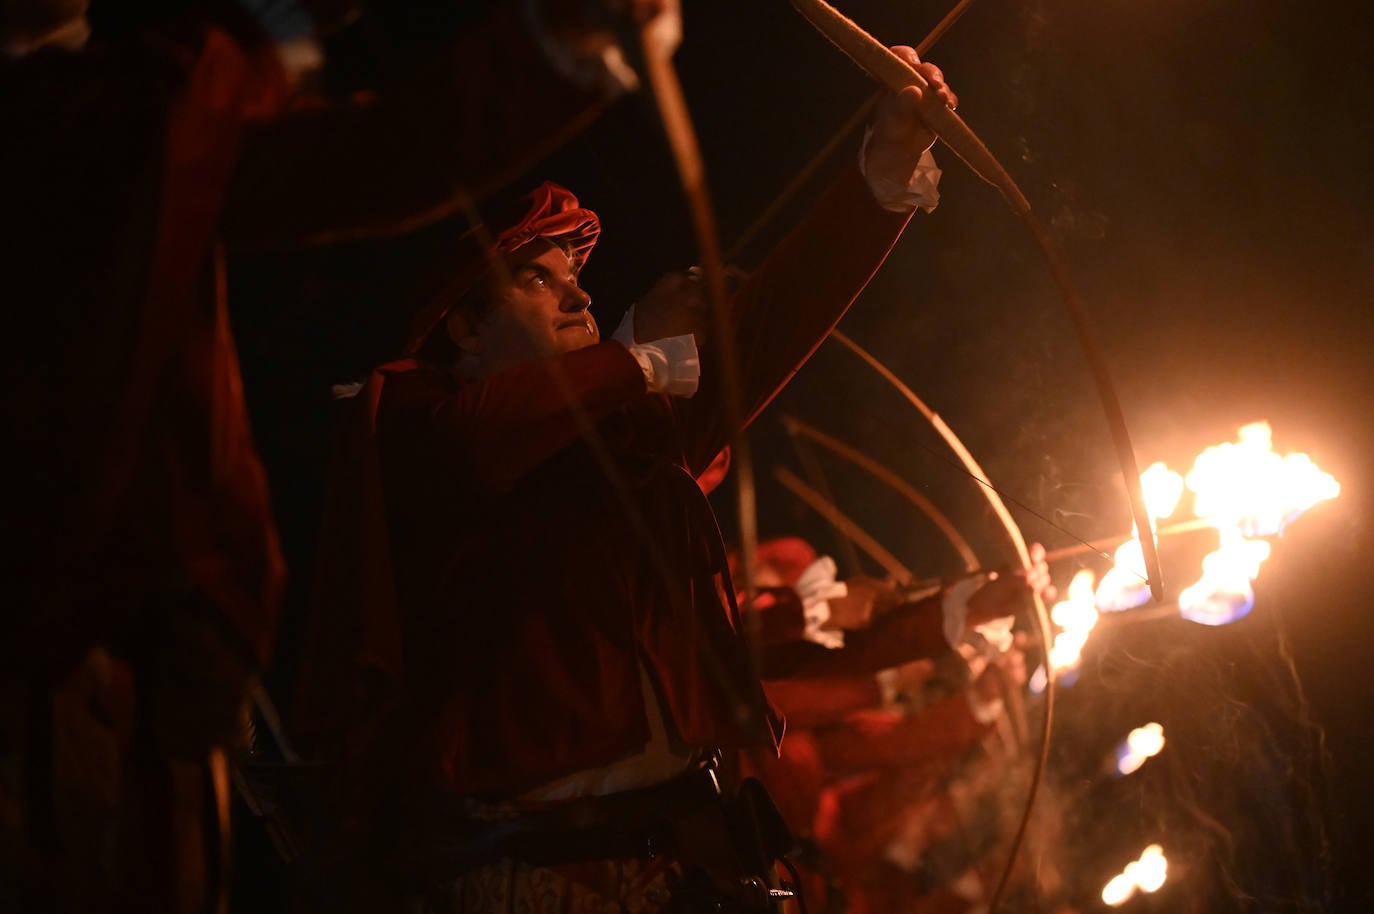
pixel 1146 875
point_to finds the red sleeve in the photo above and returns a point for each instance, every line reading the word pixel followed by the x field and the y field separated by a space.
pixel 504 426
pixel 912 632
pixel 885 740
pixel 780 613
pixel 472 119
pixel 812 703
pixel 789 304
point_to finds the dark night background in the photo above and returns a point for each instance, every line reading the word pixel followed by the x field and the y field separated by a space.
pixel 1204 166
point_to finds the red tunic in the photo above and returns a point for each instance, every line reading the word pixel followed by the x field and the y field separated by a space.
pixel 533 571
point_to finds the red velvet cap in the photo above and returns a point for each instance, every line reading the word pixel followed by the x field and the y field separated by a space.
pixel 552 213
pixel 789 555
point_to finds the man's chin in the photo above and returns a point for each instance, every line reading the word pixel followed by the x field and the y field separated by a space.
pixel 572 339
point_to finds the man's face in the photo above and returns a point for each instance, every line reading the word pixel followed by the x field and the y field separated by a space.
pixel 538 311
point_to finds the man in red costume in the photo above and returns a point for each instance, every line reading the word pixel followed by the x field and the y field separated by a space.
pixel 553 640
pixel 863 750
pixel 142 562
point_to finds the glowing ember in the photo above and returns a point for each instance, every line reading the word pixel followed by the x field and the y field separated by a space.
pixel 1151 869
pixel 1076 616
pixel 1124 586
pixel 1146 740
pixel 1142 743
pixel 1163 488
pixel 1246 486
pixel 1119 890
pixel 1146 874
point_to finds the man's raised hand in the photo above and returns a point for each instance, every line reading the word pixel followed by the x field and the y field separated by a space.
pixel 899 133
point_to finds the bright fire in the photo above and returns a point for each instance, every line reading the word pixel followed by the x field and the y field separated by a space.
pixel 1225 593
pixel 1143 743
pixel 1163 488
pixel 1076 616
pixel 1244 485
pixel 1244 490
pixel 1146 874
pixel 1124 586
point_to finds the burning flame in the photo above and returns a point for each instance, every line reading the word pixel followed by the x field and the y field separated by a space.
pixel 1146 874
pixel 1124 586
pixel 1244 485
pixel 1245 491
pixel 1225 593
pixel 1076 615
pixel 1142 743
pixel 1163 488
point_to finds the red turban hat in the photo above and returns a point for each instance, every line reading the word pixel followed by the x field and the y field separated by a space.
pixel 550 211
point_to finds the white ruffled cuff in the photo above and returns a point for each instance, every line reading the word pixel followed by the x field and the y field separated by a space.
pixel 997 633
pixel 817 587
pixel 671 365
pixel 984 712
pixel 887 686
pixel 604 69
pixel 921 191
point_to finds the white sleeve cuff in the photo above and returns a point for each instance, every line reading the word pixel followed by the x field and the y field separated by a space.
pixel 816 587
pixel 603 68
pixel 921 191
pixel 984 712
pixel 671 365
pixel 887 686
pixel 997 633
pixel 625 332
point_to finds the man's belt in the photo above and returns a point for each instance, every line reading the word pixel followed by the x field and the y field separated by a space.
pixel 635 823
